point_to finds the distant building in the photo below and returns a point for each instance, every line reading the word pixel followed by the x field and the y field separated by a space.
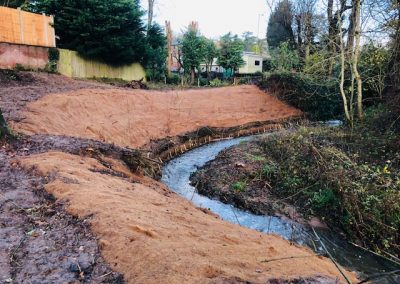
pixel 215 67
pixel 253 63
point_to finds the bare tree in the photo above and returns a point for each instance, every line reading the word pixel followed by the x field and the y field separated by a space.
pixel 150 13
pixel 355 37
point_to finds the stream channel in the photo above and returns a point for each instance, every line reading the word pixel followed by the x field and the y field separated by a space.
pixel 176 174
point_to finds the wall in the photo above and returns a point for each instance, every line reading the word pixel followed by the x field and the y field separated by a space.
pixel 250 67
pixel 21 27
pixel 34 57
pixel 72 65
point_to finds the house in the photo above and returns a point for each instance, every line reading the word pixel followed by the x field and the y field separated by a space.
pixel 253 63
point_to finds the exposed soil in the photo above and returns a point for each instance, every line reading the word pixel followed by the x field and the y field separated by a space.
pixel 38 240
pixel 135 117
pixel 155 236
pixel 143 230
pixel 19 88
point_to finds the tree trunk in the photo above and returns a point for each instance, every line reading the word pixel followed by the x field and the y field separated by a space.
pixel 342 76
pixel 150 14
pixel 356 23
pixel 193 76
pixel 4 131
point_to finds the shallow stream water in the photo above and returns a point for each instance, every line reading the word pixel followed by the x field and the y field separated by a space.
pixel 176 175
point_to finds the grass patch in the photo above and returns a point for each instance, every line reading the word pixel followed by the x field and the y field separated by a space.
pixel 239 186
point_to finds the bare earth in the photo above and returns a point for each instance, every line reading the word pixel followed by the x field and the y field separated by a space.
pixel 132 118
pixel 144 230
pixel 152 235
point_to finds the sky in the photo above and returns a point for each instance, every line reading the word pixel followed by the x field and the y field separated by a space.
pixel 215 17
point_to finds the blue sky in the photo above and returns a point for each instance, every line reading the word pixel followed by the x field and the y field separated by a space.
pixel 215 17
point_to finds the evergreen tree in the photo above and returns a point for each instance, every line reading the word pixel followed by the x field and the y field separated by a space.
pixel 111 31
pixel 156 52
pixel 280 25
pixel 230 55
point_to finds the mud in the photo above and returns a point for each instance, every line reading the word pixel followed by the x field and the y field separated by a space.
pixel 39 242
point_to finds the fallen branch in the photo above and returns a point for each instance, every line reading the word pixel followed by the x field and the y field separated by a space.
pixel 331 257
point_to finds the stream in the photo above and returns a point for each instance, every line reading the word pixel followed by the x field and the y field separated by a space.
pixel 176 175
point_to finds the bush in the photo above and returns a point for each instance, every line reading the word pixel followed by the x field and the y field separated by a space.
pixel 351 181
pixel 216 83
pixel 173 79
pixel 319 99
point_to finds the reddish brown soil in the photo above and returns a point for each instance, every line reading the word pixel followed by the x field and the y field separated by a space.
pixel 38 240
pixel 144 230
pixel 134 117
pixel 152 235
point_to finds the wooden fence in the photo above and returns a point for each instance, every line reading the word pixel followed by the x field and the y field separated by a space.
pixel 20 27
pixel 73 65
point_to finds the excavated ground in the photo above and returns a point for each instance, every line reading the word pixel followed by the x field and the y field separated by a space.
pixel 143 230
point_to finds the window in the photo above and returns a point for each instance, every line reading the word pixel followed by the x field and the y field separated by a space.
pixel 257 63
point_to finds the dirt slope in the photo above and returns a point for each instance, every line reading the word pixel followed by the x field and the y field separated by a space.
pixel 154 236
pixel 132 118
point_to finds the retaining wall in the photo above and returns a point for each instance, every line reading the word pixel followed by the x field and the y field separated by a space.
pixel 34 57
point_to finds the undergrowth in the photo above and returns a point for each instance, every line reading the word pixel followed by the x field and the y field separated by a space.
pixel 349 177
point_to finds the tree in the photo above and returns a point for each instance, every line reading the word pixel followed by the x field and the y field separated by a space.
pixel 211 53
pixel 193 51
pixel 4 131
pixel 156 52
pixel 150 14
pixel 13 3
pixel 231 51
pixel 305 29
pixel 110 31
pixel 280 25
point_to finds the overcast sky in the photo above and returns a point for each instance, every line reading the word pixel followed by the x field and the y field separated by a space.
pixel 215 17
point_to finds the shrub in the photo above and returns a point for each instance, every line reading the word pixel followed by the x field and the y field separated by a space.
pixel 319 99
pixel 173 79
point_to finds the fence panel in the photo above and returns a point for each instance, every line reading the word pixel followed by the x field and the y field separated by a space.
pixel 20 27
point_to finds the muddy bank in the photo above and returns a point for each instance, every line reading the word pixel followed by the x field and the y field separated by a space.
pixel 132 118
pixel 236 177
pixel 152 235
pixel 38 240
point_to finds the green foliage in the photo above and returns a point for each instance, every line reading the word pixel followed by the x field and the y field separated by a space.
pixel 110 31
pixel 352 180
pixel 156 53
pixel 173 79
pixel 373 65
pixel 318 98
pixel 284 58
pixel 218 83
pixel 13 3
pixel 54 56
pixel 280 25
pixel 239 186
pixel 193 49
pixel 210 51
pixel 231 50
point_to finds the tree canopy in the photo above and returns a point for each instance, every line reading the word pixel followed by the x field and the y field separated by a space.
pixel 156 52
pixel 111 31
pixel 193 50
pixel 280 25
pixel 231 51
